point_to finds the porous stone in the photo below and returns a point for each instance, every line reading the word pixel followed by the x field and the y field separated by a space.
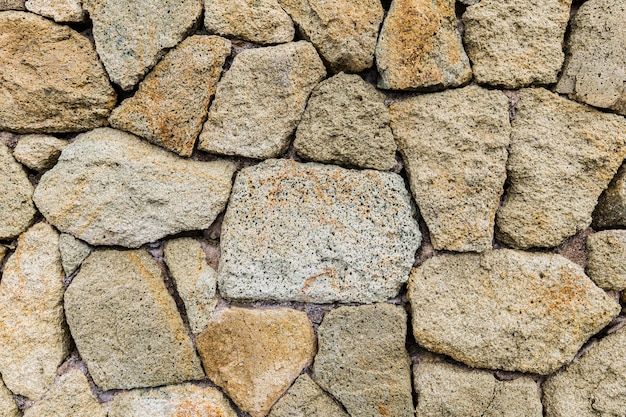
pixel 516 43
pixel 8 407
pixel 562 155
pixel 607 259
pixel 73 252
pixel 306 399
pixel 33 337
pixel 255 354
pixel 506 309
pixel 346 122
pixel 58 10
pixel 420 47
pixel 362 360
pixel 38 152
pixel 12 5
pixel 3 252
pixel 172 101
pixel 110 188
pixel 126 325
pixel 454 147
pixel 344 31
pixel 51 79
pixel 611 208
pixel 260 99
pixel 316 233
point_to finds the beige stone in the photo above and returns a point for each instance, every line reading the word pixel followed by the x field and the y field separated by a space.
pixel 12 5
pixel 3 252
pixel 73 252
pixel 607 259
pixel 8 407
pixel 611 208
pixel 58 10
pixel 306 399
pixel 38 152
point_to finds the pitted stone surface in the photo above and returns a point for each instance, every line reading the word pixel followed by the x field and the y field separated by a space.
pixel 38 152
pixel 316 233
pixel 73 252
pixel 607 259
pixel 12 5
pixel 611 208
pixel 306 399
pixel 58 10
pixel 8 407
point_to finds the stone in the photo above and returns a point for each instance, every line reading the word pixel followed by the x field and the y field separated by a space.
pixel 172 101
pixel 506 309
pixel 195 280
pixel 594 70
pixel 611 208
pixel 51 79
pixel 260 99
pixel 306 399
pixel 125 324
pixel 516 43
pixel 255 354
pixel 420 47
pixel 562 155
pixel 12 5
pixel 73 252
pixel 110 188
pixel 607 259
pixel 3 252
pixel 8 407
pixel 346 122
pixel 258 21
pixel 57 10
pixel 454 146
pixel 316 233
pixel 362 360
pixel 132 36
pixel 33 337
pixel 344 32
pixel 38 152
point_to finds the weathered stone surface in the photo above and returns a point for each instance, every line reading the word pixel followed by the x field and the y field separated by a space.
pixel 33 336
pixel 12 5
pixel 562 155
pixel 454 147
pixel 17 210
pixel 362 360
pixel 172 101
pixel 593 385
pixel 38 152
pixel 58 10
pixel 3 252
pixel 132 36
pixel 258 21
pixel 607 259
pixel 8 408
pixel 344 32
pixel 346 122
pixel 110 188
pixel 260 99
pixel 506 309
pixel 316 233
pixel 516 43
pixel 50 78
pixel 73 252
pixel 255 354
pixel 126 325
pixel 611 208
pixel 420 47
pixel 306 399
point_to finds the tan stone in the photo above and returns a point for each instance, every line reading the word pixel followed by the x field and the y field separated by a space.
pixel 611 208
pixel 73 252
pixel 17 210
pixel 58 10
pixel 3 252
pixel 38 152
pixel 8 408
pixel 306 399
pixel 607 259
pixel 12 5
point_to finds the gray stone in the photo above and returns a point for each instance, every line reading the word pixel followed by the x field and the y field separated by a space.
pixel 562 155
pixel 38 152
pixel 316 233
pixel 611 208
pixel 110 188
pixel 454 146
pixel 506 309
pixel 362 360
pixel 17 210
pixel 73 252
pixel 58 10
pixel 12 5
pixel 260 100
pixel 306 399
pixel 607 259
pixel 8 408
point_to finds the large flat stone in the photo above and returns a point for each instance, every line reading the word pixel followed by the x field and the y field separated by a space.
pixel 38 152
pixel 8 407
pixel 611 208
pixel 607 259
pixel 306 399
pixel 58 10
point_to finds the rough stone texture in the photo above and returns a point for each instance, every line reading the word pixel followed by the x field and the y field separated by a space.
pixel 3 252
pixel 316 233
pixel 258 21
pixel 611 208
pixel 38 152
pixel 607 259
pixel 255 354
pixel 594 70
pixel 33 336
pixel 132 36
pixel 454 147
pixel 58 10
pixel 8 408
pixel 73 252
pixel 420 47
pixel 516 43
pixel 346 122
pixel 506 309
pixel 126 325
pixel 562 155
pixel 594 385
pixel 260 99
pixel 12 5
pixel 362 360
pixel 344 31
pixel 110 188
pixel 306 399
pixel 50 78
pixel 172 102
pixel 195 280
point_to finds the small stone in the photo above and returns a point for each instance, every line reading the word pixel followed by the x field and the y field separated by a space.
pixel 506 309
pixel 73 252
pixel 33 337
pixel 12 5
pixel 126 325
pixel 420 47
pixel 110 188
pixel 344 31
pixel 362 360
pixel 39 152
pixel 3 252
pixel 58 10
pixel 562 155
pixel 172 101
pixel 611 208
pixel 316 233
pixel 607 259
pixel 454 146
pixel 306 399
pixel 516 43
pixel 255 354
pixel 260 99
pixel 51 79
pixel 8 407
